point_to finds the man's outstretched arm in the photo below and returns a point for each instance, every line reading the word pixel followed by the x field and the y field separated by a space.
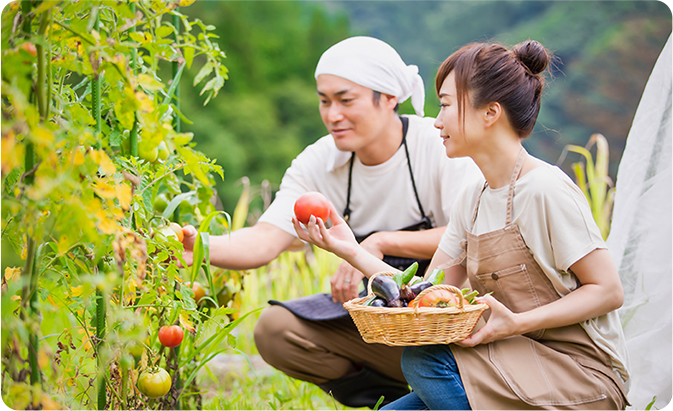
pixel 246 248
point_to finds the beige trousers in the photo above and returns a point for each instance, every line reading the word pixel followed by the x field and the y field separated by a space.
pixel 320 351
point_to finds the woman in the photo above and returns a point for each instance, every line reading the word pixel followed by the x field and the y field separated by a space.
pixel 552 337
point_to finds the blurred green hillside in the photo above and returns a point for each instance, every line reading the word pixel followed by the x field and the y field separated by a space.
pixel 267 111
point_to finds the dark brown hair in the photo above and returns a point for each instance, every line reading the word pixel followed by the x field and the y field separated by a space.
pixel 489 72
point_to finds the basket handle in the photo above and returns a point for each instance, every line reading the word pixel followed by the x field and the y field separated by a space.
pixel 428 290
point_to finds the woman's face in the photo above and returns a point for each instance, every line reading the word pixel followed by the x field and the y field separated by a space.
pixel 459 141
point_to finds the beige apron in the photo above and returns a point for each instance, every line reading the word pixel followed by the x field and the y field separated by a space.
pixel 559 368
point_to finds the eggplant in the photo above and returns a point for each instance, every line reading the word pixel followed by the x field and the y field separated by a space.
pixel 386 288
pixel 418 287
pixel 378 302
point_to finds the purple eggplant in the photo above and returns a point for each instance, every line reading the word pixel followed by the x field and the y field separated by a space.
pixel 386 288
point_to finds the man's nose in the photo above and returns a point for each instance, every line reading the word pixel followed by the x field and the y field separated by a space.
pixel 335 114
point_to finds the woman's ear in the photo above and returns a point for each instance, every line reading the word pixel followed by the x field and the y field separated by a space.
pixel 492 113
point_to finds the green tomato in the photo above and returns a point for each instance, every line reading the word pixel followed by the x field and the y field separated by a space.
pixel 160 203
pixel 163 151
pixel 148 154
pixel 225 295
pixel 155 382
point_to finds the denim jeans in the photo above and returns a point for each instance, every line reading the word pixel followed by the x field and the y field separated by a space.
pixel 432 372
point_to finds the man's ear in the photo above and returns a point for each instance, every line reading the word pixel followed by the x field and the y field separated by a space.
pixel 390 102
pixel 492 113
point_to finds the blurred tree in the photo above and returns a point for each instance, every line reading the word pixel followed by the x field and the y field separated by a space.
pixel 267 111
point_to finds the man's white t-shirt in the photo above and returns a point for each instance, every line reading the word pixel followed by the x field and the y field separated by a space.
pixel 382 196
pixel 556 223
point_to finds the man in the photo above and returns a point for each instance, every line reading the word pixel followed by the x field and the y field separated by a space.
pixel 390 175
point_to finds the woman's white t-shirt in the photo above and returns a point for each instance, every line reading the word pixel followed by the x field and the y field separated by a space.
pixel 556 223
pixel 382 196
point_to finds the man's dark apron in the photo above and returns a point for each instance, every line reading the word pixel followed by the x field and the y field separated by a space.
pixel 320 307
pixel 558 368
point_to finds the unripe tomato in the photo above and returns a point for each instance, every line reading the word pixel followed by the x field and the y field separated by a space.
pixel 146 153
pixel 155 382
pixel 439 299
pixel 199 291
pixel 171 335
pixel 160 203
pixel 225 295
pixel 163 151
pixel 311 203
pixel 177 229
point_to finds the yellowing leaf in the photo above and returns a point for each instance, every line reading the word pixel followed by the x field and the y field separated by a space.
pixel 11 272
pixel 77 157
pixel 137 36
pixel 124 195
pixel 101 158
pixel 149 82
pixel 103 189
pixel 146 105
pixel 12 153
pixel 186 322
pixel 42 136
pixel 76 291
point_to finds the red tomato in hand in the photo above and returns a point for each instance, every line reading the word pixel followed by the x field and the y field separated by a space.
pixel 439 299
pixel 171 335
pixel 311 203
pixel 154 383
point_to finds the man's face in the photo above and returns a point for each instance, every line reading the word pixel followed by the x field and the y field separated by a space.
pixel 349 112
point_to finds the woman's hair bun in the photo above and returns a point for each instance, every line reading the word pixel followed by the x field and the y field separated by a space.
pixel 532 55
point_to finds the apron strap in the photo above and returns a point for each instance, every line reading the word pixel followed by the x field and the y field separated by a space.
pixel 512 182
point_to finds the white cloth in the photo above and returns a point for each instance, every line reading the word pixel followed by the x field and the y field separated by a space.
pixel 374 64
pixel 555 221
pixel 640 240
pixel 382 197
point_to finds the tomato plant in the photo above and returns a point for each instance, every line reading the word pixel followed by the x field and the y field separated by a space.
pixel 90 143
pixel 311 203
pixel 154 382
pixel 439 299
pixel 171 335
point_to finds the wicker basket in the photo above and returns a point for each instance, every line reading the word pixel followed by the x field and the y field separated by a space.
pixel 414 325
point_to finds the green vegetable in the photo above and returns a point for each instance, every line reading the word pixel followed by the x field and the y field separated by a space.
pixel 415 279
pixel 436 276
pixel 406 276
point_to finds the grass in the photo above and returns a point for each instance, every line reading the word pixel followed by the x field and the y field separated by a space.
pixel 240 380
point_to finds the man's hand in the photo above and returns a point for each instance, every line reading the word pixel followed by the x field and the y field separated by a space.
pixel 346 280
pixel 188 242
pixel 345 283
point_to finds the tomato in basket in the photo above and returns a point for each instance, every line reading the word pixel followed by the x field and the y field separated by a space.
pixel 439 299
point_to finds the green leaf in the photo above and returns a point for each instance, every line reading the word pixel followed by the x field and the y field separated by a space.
pixel 203 73
pixel 164 31
pixel 189 56
pixel 175 202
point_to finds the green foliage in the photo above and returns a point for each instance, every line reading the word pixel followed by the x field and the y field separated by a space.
pixel 78 208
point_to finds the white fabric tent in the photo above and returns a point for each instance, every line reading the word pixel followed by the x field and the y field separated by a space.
pixel 640 240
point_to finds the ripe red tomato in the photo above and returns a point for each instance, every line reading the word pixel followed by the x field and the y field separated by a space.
pixel 311 203
pixel 439 299
pixel 155 382
pixel 199 291
pixel 171 335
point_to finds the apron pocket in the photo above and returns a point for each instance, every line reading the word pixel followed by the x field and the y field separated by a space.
pixel 512 286
pixel 540 376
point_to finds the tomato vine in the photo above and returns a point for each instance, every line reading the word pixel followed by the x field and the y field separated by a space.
pixel 86 102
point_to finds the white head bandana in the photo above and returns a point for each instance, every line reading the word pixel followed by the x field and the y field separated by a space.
pixel 374 64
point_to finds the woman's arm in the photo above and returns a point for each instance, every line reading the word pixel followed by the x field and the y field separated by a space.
pixel 601 292
pixel 340 240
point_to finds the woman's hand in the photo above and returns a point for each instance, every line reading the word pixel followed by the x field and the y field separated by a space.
pixel 502 323
pixel 339 239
